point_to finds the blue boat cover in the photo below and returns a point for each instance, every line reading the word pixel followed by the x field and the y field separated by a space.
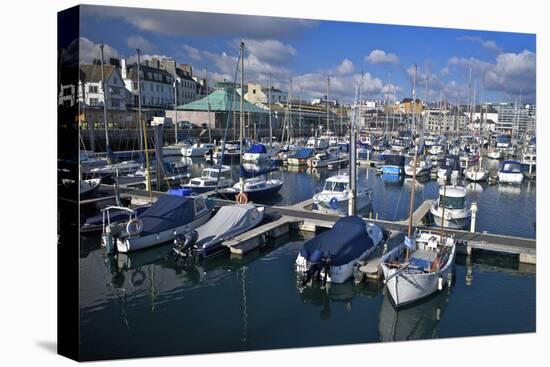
pixel 346 241
pixel 452 162
pixel 181 191
pixel 166 213
pixel 257 148
pixel 303 153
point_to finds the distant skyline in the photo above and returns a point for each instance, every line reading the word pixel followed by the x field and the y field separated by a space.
pixel 308 51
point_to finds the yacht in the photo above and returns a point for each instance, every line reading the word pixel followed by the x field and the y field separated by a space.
pixel 334 198
pixel 216 177
pixel 197 150
pixel 457 214
pixel 510 172
pixel 423 168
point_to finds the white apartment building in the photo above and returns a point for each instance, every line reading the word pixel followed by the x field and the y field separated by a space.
pixel 90 89
pixel 157 86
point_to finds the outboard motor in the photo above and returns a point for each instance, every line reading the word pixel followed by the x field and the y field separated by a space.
pixel 315 266
pixel 183 244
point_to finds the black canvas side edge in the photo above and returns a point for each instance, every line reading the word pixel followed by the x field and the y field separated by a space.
pixel 68 329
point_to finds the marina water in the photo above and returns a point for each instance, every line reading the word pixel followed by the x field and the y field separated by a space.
pixel 148 303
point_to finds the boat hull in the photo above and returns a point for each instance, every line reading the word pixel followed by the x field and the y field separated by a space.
pixel 510 178
pixel 141 242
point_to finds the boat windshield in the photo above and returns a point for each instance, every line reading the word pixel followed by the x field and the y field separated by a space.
pixel 210 173
pixel 452 203
pixel 511 167
pixel 335 186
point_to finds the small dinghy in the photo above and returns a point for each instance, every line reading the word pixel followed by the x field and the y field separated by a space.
pixel 229 221
pixel 169 216
pixel 333 254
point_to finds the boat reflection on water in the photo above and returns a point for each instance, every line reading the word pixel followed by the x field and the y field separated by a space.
pixel 418 321
pixel 333 295
pixel 296 169
pixel 392 179
pixel 509 190
pixel 418 184
pixel 474 187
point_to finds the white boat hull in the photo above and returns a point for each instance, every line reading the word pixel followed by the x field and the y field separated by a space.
pixel 323 206
pixel 405 287
pixel 142 242
pixel 510 178
pixel 476 175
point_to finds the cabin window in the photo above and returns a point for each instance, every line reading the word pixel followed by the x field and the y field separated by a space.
pixel 452 203
pixel 199 204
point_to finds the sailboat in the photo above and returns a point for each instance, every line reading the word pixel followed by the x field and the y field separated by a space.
pixel 417 267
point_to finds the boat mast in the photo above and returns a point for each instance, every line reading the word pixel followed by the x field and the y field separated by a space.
pixel 175 110
pixel 411 203
pixel 208 100
pixel 442 204
pixel 139 99
pixel 289 126
pixel 352 160
pixel 300 115
pixel 328 84
pixel 270 124
pixel 241 134
pixel 107 148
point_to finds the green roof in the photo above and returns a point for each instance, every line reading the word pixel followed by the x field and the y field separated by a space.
pixel 220 101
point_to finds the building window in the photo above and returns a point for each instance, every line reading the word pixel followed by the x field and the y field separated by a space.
pixel 92 89
pixel 94 102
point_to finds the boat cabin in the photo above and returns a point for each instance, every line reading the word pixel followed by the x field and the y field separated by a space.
pixel 455 198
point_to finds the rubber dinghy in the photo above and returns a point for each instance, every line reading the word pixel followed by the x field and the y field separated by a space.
pixel 229 221
pixel 351 239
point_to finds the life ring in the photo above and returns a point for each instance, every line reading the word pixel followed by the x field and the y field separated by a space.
pixel 242 198
pixel 138 277
pixel 334 204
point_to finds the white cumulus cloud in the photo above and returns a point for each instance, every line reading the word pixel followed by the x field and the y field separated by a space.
pixel 381 57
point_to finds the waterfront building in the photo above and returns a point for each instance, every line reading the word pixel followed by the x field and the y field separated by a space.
pixel 255 93
pixel 91 96
pixel 513 120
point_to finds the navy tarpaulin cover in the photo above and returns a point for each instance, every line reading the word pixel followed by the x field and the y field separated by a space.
pixel 394 160
pixel 303 153
pixel 257 148
pixel 452 162
pixel 166 213
pixel 346 241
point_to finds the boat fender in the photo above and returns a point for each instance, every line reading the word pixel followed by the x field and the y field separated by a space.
pixel 440 283
pixel 334 204
pixel 134 227
pixel 242 198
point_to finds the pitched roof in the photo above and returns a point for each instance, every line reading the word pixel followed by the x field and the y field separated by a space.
pixel 92 73
pixel 132 73
pixel 221 101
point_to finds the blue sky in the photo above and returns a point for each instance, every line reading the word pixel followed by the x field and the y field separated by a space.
pixel 503 64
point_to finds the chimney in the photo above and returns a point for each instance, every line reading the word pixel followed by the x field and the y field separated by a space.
pixel 123 71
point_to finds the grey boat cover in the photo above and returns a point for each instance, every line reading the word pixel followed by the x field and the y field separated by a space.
pixel 229 221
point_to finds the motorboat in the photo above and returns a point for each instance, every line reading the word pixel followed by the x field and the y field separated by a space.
pixel 453 205
pixel 529 163
pixel 494 154
pixel 229 221
pixel 317 143
pixel 109 215
pixel 510 172
pixel 333 254
pixel 423 168
pixel 418 267
pixel 212 178
pixel 300 157
pixel 175 149
pixel 324 159
pixel 256 153
pixel 167 217
pixel 394 164
pixel 335 195
pixel 197 150
pixel 450 167
pixel 256 189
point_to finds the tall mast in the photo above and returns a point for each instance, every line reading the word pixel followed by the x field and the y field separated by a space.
pixel 241 134
pixel 270 124
pixel 104 104
pixel 289 126
pixel 208 100
pixel 413 122
pixel 328 84
pixel 175 110
pixel 469 94
pixel 139 99
pixel 300 114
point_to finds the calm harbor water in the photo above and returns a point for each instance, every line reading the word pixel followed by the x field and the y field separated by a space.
pixel 147 303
